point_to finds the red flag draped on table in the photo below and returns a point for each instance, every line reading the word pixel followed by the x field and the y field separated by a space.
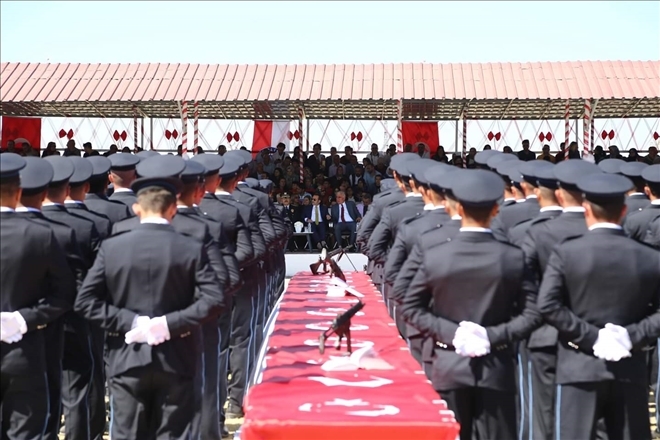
pixel 416 132
pixel 17 129
pixel 269 134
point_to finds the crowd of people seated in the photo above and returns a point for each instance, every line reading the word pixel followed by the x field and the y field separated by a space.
pixel 336 189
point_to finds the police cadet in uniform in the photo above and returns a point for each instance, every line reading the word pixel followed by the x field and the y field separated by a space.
pixel 373 216
pixel 221 209
pixel 79 185
pixel 385 232
pixel 636 199
pixel 481 158
pixel 434 213
pixel 122 175
pixel 605 318
pixel 537 247
pixel 637 223
pixel 150 288
pixel 37 288
pixel 244 322
pixel 483 301
pixel 611 166
pixel 523 210
pixel 35 178
pixel 282 221
pixel 267 234
pixel 96 199
pixel 80 342
pixel 539 174
pixel 440 180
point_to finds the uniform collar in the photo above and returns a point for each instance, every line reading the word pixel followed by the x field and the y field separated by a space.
pixel 432 207
pixel 222 193
pixel 655 202
pixel 6 209
pixel 573 209
pixel 412 194
pixel 27 209
pixel 123 190
pixel 551 208
pixel 606 225
pixel 154 221
pixel 475 229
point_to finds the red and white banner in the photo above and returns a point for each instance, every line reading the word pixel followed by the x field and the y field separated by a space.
pixel 20 130
pixel 425 132
pixel 269 134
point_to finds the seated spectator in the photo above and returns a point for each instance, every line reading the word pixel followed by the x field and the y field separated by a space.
pixel 633 156
pixel 338 178
pixel 525 154
pixel 407 148
pixel 363 206
pixel 370 175
pixel 487 147
pixel 71 149
pixel 379 179
pixel 440 155
pixel 27 150
pixel 315 160
pixel 652 157
pixel 599 154
pixel 457 160
pixel 51 150
pixel 423 150
pixel 336 164
pixel 374 155
pixel 573 152
pixel 545 154
pixel 268 164
pixel 316 215
pixel 112 150
pixel 345 217
pixel 358 173
pixel 507 149
pixel 470 158
pixel 89 151
pixel 614 153
pixel 280 154
pixel 222 150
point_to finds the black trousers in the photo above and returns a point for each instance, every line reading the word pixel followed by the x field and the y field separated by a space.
pixel 224 327
pixel 148 403
pixel 210 371
pixel 24 402
pixel 542 392
pixel 319 233
pixel 77 376
pixel 483 413
pixel 54 340
pixel 260 312
pixel 622 406
pixel 415 346
pixel 97 410
pixel 241 340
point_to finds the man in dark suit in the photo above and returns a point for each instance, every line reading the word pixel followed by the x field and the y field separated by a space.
pixel 96 199
pixel 151 363
pixel 483 302
pixel 537 246
pixel 636 223
pixel 122 175
pixel 605 318
pixel 434 213
pixel 345 216
pixel 37 288
pixel 317 215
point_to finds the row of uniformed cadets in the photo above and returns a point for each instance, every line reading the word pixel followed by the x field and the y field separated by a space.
pixel 132 292
pixel 519 292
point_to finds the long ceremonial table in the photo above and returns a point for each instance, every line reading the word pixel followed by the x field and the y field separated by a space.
pixel 292 398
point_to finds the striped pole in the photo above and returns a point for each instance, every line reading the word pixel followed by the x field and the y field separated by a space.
pixel 184 128
pixel 300 144
pixel 135 127
pixel 464 155
pixel 399 132
pixel 586 128
pixel 195 125
pixel 567 127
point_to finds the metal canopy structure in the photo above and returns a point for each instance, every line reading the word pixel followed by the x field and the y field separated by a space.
pixel 427 91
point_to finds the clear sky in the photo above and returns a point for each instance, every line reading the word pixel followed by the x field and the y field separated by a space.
pixel 328 32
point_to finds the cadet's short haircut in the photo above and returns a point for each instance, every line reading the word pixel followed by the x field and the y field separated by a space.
pixel 156 200
pixel 654 188
pixel 479 214
pixel 97 185
pixel 9 187
pixel 610 212
pixel 55 191
pixel 548 194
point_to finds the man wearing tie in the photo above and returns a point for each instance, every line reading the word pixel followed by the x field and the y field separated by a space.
pixel 345 217
pixel 316 215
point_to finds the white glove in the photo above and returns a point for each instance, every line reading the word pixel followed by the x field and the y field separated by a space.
pixel 137 334
pixel 612 345
pixel 471 340
pixel 157 331
pixel 621 335
pixel 12 327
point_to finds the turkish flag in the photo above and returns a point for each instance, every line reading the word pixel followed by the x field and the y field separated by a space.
pixel 270 133
pixel 17 129
pixel 416 132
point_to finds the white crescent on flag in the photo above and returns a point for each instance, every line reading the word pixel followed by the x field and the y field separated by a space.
pixel 386 410
pixel 375 382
